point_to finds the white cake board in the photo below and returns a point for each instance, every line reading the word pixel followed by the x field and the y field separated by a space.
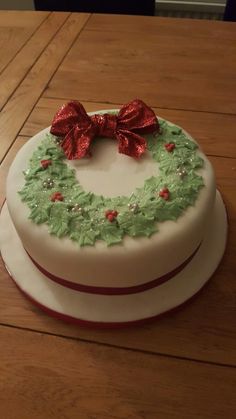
pixel 116 310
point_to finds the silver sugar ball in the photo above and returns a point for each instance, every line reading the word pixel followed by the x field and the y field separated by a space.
pixel 181 172
pixel 57 140
pixel 77 208
pixel 155 134
pixel 133 207
pixel 48 183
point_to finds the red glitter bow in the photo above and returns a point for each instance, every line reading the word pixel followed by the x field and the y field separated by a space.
pixel 78 128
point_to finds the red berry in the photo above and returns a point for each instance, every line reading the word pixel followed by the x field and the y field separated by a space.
pixel 111 215
pixel 57 196
pixel 169 147
pixel 45 163
pixel 164 193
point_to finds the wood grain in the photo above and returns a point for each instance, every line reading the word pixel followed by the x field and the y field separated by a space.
pixel 173 64
pixel 203 330
pixel 14 114
pixel 214 132
pixel 15 30
pixel 213 29
pixel 60 378
pixel 14 73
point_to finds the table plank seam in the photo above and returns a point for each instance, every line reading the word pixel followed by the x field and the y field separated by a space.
pixel 121 347
pixel 36 59
pixel 153 106
pixel 219 155
pixel 26 41
pixel 18 133
pixel 58 30
pixel 31 106
pixel 64 56
pixel 82 28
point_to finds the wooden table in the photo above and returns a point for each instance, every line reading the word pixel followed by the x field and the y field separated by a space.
pixel 183 365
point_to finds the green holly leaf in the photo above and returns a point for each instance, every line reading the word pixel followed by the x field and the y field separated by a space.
pixel 111 233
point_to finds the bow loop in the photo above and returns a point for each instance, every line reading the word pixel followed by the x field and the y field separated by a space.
pixel 78 129
pixel 138 117
pixel 68 116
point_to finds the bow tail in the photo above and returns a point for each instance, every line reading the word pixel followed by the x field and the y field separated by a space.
pixel 130 143
pixel 77 142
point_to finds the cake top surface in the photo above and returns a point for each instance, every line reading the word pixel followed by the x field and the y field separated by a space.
pixel 109 195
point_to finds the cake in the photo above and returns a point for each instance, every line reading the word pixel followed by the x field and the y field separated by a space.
pixel 112 237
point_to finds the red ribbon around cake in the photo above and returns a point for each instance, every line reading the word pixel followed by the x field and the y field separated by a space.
pixel 78 129
pixel 91 289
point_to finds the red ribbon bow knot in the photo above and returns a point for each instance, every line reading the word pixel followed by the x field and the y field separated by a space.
pixel 78 129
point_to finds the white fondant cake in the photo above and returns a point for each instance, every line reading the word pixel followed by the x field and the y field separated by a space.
pixel 136 260
pixel 128 267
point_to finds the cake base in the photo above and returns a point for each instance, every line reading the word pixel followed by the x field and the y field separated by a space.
pixel 116 310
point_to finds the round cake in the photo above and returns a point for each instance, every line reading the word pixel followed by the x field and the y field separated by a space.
pixel 113 230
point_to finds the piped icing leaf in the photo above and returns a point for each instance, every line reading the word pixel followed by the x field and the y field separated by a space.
pixel 39 215
pixel 111 233
pixel 85 217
